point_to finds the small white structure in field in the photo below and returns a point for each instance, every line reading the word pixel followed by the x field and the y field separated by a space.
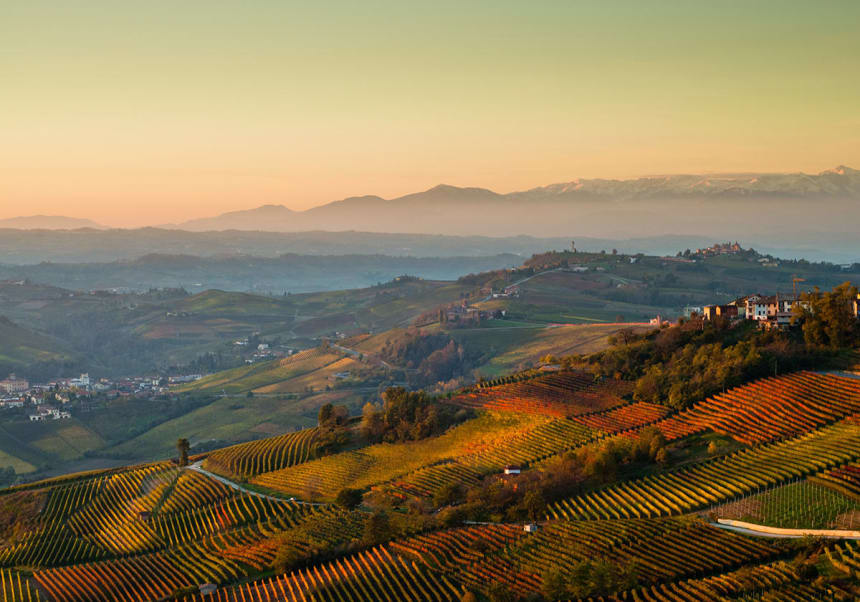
pixel 512 470
pixel 208 589
pixel 531 528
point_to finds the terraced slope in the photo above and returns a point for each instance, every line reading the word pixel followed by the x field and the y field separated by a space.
pixel 561 394
pixel 771 408
pixel 719 480
pixel 246 460
pixel 479 446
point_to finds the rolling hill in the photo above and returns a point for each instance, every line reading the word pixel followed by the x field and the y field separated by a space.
pixel 720 523
pixel 24 348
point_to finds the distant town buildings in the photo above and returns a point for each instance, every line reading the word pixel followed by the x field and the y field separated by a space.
pixel 12 384
pixel 46 413
pixel 720 249
pixel 769 311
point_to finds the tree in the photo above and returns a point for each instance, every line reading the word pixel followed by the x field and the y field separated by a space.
pixel 371 422
pixel 182 446
pixel 828 317
pixel 349 498
pixel 534 504
pixel 469 597
pixel 325 414
pixel 554 585
pixel 377 530
pixel 448 494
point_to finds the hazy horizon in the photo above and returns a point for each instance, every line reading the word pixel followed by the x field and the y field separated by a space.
pixel 245 206
pixel 160 113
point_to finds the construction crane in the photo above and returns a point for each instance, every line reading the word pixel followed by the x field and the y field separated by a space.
pixel 794 282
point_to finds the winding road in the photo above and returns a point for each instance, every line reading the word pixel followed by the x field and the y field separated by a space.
pixel 197 467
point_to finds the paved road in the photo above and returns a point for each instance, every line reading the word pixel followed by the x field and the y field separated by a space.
pixel 754 532
pixel 196 466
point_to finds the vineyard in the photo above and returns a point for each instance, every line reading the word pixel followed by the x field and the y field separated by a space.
pixel 376 464
pixel 803 504
pixel 623 418
pixel 159 531
pixel 247 460
pixel 718 480
pixel 561 394
pixel 375 574
pixel 844 479
pixel 771 408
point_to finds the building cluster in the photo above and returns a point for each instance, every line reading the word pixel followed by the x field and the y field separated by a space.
pixel 47 398
pixel 263 351
pixel 724 248
pixel 767 311
pixel 463 313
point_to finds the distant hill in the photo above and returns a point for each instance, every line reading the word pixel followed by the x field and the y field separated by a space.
pixel 288 272
pixel 22 348
pixel 48 222
pixel 715 205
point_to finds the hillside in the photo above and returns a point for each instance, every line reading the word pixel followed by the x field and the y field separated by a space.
pixel 293 273
pixel 22 348
pixel 88 246
pixel 648 529
pixel 379 336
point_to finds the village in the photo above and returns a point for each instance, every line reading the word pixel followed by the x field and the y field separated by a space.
pixel 768 311
pixel 46 401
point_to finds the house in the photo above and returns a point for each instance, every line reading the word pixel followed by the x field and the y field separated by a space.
pixel 13 384
pixel 857 306
pixel 531 528
pixel 512 470
pixel 711 312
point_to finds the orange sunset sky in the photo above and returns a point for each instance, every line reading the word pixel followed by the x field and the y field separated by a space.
pixel 145 113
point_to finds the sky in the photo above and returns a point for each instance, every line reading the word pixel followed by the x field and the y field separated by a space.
pixel 141 113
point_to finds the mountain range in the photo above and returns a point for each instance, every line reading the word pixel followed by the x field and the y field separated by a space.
pixel 48 222
pixel 714 205
pixel 719 206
